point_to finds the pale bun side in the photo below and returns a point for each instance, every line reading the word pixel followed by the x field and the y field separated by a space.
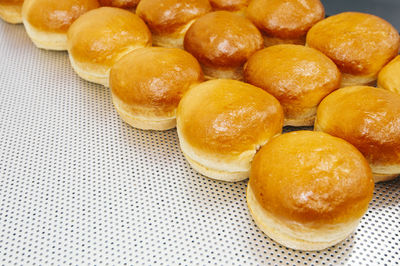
pixel 217 167
pixel 172 40
pixel 215 72
pixel 141 121
pixel 46 40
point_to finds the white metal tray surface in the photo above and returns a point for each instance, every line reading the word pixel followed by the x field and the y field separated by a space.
pixel 79 186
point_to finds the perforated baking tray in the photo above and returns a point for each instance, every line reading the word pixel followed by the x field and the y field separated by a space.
pixel 79 186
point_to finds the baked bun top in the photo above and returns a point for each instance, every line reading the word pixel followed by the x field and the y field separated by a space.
pixel 154 78
pixel 285 19
pixel 368 118
pixel 228 117
pixel 229 5
pixel 11 2
pixel 359 43
pixel 120 3
pixel 389 76
pixel 168 16
pixel 312 177
pixel 222 39
pixel 299 77
pixel 101 35
pixel 55 16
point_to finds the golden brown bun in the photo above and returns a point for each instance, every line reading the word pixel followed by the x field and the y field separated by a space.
pixel 47 21
pixel 360 44
pixel 169 20
pixel 285 21
pixel 222 123
pixel 229 5
pixel 100 37
pixel 368 118
pixel 225 46
pixel 389 76
pixel 127 4
pixel 10 11
pixel 148 83
pixel 299 77
pixel 308 190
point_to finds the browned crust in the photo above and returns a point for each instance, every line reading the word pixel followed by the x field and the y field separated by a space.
pixel 229 42
pixel 328 181
pixel 359 43
pixel 368 118
pixel 288 19
pixel 168 16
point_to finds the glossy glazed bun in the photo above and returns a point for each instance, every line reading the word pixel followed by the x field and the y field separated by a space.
pixel 222 123
pixel 100 37
pixel 360 45
pixel 10 11
pixel 229 5
pixel 169 20
pixel 389 77
pixel 126 4
pixel 308 190
pixel 299 77
pixel 47 21
pixel 148 83
pixel 222 41
pixel 368 118
pixel 285 21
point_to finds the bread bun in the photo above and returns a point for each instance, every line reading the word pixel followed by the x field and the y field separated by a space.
pixel 285 21
pixel 308 190
pixel 146 94
pixel 222 42
pixel 368 118
pixel 389 76
pixel 222 123
pixel 299 77
pixel 169 20
pixel 360 44
pixel 100 37
pixel 229 5
pixel 47 21
pixel 126 4
pixel 10 11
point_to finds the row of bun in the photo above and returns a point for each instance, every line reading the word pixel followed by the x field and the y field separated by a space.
pixel 229 75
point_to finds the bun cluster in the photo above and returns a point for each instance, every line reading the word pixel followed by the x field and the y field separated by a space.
pixel 229 75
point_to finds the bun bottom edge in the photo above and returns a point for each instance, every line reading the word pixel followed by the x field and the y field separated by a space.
pixel 46 40
pixel 142 122
pixel 215 173
pixel 97 78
